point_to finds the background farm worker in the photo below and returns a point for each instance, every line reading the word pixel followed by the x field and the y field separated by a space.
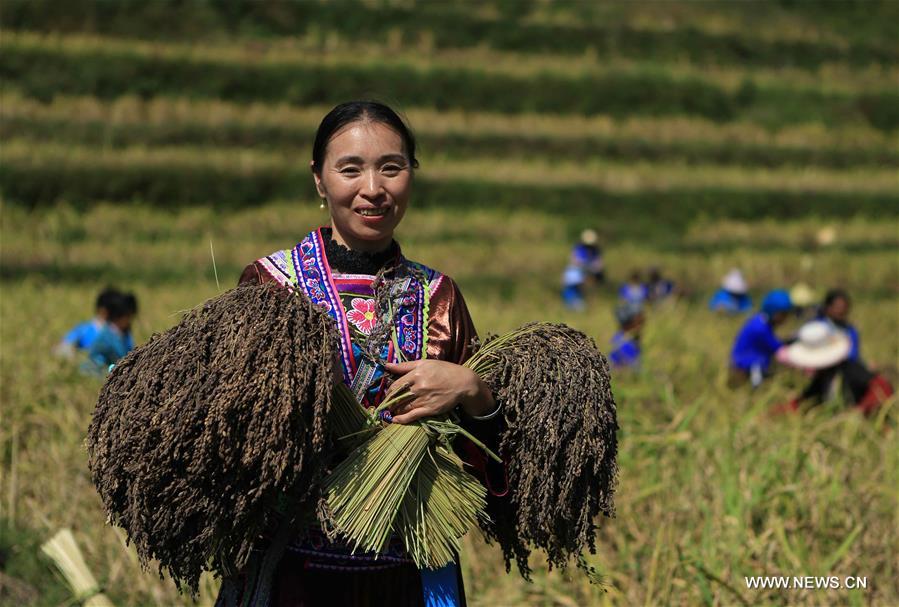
pixel 733 295
pixel 114 339
pixel 586 263
pixel 835 309
pixel 634 290
pixel 825 350
pixel 82 335
pixel 756 343
pixel 804 300
pixel 626 342
pixel 659 288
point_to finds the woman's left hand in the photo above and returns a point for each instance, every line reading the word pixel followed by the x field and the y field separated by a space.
pixel 438 386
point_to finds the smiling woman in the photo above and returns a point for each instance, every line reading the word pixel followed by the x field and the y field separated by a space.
pixel 397 319
pixel 362 162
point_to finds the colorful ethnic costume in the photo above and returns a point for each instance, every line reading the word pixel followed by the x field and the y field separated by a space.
pixel 431 320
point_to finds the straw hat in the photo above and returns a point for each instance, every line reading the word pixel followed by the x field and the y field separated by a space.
pixel 826 236
pixel 802 295
pixel 734 282
pixel 589 237
pixel 820 345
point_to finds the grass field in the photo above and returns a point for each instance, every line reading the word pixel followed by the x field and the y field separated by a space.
pixel 711 489
pixel 164 160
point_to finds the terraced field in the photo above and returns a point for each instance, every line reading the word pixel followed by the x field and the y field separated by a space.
pixel 161 146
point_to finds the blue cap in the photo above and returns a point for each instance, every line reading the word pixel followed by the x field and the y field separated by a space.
pixel 776 301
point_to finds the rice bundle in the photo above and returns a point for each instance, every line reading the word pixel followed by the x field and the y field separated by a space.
pixel 367 488
pixel 440 507
pixel 405 479
pixel 350 422
pixel 203 433
pixel 559 445
pixel 64 551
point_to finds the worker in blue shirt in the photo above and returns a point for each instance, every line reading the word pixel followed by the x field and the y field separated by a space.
pixel 756 343
pixel 82 335
pixel 634 290
pixel 659 288
pixel 835 309
pixel 114 339
pixel 733 296
pixel 626 342
pixel 586 263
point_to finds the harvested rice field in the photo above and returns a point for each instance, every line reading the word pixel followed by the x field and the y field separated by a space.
pixel 162 160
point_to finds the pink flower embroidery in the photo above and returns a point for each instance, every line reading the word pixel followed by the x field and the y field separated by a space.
pixel 362 315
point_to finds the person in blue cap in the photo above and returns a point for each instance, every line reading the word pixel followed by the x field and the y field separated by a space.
pixel 756 343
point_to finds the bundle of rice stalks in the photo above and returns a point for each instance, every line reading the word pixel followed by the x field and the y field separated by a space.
pixel 350 423
pixel 442 504
pixel 559 445
pixel 405 480
pixel 202 434
pixel 63 550
pixel 365 491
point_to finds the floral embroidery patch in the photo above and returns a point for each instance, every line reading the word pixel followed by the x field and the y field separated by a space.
pixel 362 315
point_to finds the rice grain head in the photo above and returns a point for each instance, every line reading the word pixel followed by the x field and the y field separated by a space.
pixel 203 434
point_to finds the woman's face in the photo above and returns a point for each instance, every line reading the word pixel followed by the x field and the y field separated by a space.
pixel 366 179
pixel 838 310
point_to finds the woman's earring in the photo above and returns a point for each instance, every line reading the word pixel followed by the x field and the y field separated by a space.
pixel 323 206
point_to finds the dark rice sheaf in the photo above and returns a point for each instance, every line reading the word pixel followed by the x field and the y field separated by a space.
pixel 560 446
pixel 202 435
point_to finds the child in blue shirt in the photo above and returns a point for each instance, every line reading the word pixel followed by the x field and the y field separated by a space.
pixel 835 309
pixel 659 288
pixel 626 342
pixel 113 341
pixel 82 335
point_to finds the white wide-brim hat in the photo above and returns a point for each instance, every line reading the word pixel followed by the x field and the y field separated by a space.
pixel 734 282
pixel 820 345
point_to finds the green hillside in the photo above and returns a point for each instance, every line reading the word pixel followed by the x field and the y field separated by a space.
pixel 160 146
pixel 737 112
